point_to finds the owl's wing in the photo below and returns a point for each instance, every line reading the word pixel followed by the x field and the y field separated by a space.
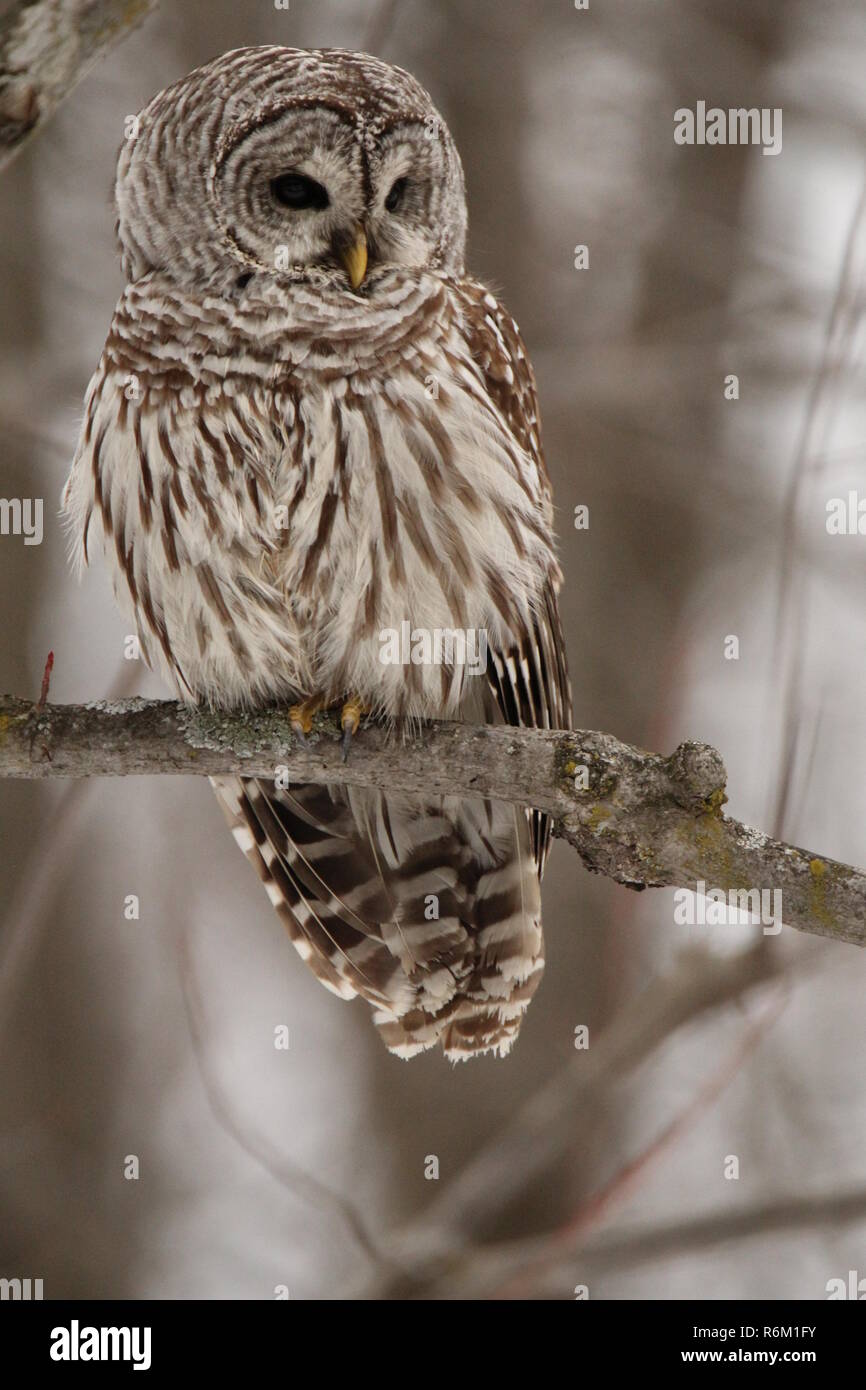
pixel 530 679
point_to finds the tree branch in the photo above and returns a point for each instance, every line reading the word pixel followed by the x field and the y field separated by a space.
pixel 642 819
pixel 46 48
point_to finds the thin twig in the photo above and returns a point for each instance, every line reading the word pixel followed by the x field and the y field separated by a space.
pixel 626 1249
pixel 24 913
pixel 378 29
pixel 789 621
pixel 441 1240
pixel 290 1175
pixel 592 1212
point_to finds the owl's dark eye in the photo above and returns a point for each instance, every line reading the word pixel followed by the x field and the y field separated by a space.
pixel 298 192
pixel 395 197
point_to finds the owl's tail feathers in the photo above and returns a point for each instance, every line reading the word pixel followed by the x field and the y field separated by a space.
pixel 485 1011
pixel 469 1026
pixel 359 918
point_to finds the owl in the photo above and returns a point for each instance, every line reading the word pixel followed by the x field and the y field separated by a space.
pixel 310 453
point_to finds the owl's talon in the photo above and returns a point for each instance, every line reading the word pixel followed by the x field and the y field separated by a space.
pixel 301 718
pixel 350 718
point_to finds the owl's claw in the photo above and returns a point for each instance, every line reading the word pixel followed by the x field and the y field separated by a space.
pixel 350 718
pixel 301 718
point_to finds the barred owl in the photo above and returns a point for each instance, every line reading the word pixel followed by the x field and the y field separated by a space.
pixel 308 428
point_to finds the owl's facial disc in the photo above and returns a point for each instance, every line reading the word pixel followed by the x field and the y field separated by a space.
pixel 301 193
pixel 408 198
pixel 288 187
pixel 310 188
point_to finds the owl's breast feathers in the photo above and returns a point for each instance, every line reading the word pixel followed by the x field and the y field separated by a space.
pixel 280 481
pixel 275 497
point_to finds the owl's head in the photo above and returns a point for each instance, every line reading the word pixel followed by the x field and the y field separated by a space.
pixel 290 162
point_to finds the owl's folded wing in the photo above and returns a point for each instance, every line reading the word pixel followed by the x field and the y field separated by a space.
pixel 530 679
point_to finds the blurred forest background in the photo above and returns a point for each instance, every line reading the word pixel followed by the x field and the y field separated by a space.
pixel 609 1168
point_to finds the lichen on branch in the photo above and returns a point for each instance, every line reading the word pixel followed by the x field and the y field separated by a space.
pixel 645 820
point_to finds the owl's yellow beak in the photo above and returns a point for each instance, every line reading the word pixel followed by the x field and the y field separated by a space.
pixel 354 258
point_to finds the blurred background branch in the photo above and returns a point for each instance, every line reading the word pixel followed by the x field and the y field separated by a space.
pixel 46 48
pixel 441 1250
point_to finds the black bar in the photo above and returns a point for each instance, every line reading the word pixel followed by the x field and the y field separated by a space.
pixel 225 1337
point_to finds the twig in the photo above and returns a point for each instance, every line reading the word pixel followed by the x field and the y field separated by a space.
pixel 641 819
pixel 46 48
pixel 627 1248
pixel 24 911
pixel 625 1182
pixel 439 1246
pixel 378 29
pixel 46 682
pixel 302 1185
pixel 789 624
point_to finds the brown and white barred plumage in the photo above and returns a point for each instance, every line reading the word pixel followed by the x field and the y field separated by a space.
pixel 279 467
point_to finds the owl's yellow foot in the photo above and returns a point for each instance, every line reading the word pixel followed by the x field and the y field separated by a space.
pixel 350 718
pixel 301 717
